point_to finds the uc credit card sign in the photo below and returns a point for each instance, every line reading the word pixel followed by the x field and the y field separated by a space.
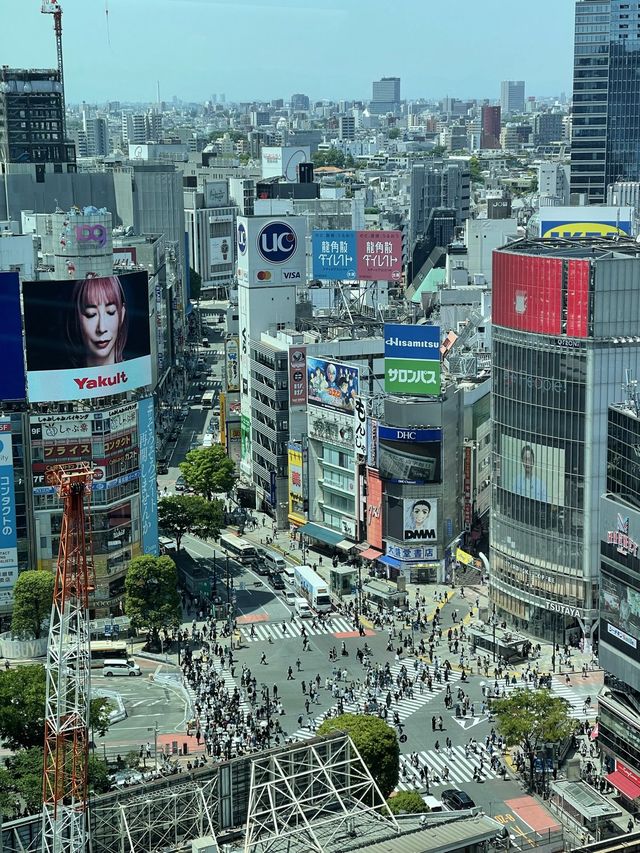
pixel 412 360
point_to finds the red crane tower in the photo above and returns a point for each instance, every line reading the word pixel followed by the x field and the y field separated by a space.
pixel 66 737
pixel 53 8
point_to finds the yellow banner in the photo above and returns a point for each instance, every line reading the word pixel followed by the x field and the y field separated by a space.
pixel 464 558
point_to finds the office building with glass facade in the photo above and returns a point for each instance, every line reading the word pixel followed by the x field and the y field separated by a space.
pixel 565 331
pixel 605 145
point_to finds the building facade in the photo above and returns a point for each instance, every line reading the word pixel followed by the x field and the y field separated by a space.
pixel 491 124
pixel 512 97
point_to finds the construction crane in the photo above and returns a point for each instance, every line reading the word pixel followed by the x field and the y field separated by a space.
pixel 53 8
pixel 68 672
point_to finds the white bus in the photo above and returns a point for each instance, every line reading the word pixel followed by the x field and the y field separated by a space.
pixel 207 399
pixel 313 588
pixel 242 550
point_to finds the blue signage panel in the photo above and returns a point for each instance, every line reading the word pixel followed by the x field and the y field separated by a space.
pixel 334 255
pixel 409 434
pixel 413 342
pixel 148 491
pixel 8 528
pixel 12 381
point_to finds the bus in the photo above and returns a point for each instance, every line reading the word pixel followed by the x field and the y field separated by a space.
pixel 207 399
pixel 243 551
pixel 102 650
pixel 309 584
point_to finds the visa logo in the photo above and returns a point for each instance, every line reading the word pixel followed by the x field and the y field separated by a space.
pixel 288 276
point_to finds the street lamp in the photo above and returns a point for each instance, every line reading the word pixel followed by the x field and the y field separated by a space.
pixel 155 743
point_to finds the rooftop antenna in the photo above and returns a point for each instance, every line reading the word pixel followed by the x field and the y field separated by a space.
pixel 630 388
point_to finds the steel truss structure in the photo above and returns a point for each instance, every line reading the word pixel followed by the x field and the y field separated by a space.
pixel 303 801
pixel 157 821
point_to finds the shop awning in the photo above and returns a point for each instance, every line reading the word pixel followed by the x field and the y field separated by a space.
pixel 345 545
pixel 390 561
pixel 322 534
pixel 371 554
pixel 623 784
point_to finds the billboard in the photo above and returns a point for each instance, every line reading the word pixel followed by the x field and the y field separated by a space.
pixel 271 250
pixel 296 491
pixel 533 470
pixel 332 384
pixel 379 255
pixel 232 362
pixel 360 432
pixel 586 221
pixel 12 385
pixel 374 509
pixel 88 338
pixel 283 161
pixel 220 249
pixel 412 520
pixel 411 359
pixel 148 490
pixel 409 455
pixel 297 375
pixel 334 255
pixel 527 293
pixel 8 529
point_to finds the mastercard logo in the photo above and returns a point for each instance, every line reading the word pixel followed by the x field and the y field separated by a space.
pixel 263 275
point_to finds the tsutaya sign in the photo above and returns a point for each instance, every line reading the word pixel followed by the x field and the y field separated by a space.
pixel 565 609
pixel 625 545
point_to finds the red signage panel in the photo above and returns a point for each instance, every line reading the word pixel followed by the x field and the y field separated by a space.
pixel 578 299
pixel 374 509
pixel 527 293
pixel 379 255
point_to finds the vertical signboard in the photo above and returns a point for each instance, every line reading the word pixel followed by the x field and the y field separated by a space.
pixel 8 525
pixel 578 299
pixel 271 251
pixel 148 491
pixel 466 487
pixel 372 442
pixel 297 375
pixel 334 255
pixel 360 431
pixel 245 440
pixel 374 509
pixel 379 255
pixel 296 492
pixel 12 384
pixel 411 359
pixel 232 362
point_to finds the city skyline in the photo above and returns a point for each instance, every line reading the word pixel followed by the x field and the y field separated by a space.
pixel 464 61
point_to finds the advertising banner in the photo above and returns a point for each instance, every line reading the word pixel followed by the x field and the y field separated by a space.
pixel 332 384
pixel 466 488
pixel 586 221
pixel 409 456
pixel 12 385
pixel 411 553
pixel 220 251
pixel 360 427
pixel 533 470
pixel 527 293
pixel 271 250
pixel 296 492
pixel 283 161
pixel 412 359
pixel 297 375
pixel 245 439
pixel 86 339
pixel 332 426
pixel 374 509
pixel 412 520
pixel 379 255
pixel 148 491
pixel 232 361
pixel 372 442
pixel 8 528
pixel 334 255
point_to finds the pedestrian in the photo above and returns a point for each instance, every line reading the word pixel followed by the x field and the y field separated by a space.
pixel 263 658
pixel 290 674
pixel 298 664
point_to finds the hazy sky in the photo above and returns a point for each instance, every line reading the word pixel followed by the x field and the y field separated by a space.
pixel 262 49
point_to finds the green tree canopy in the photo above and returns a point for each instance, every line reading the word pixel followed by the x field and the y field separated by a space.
pixel 376 742
pixel 532 718
pixel 151 593
pixel 25 769
pixel 407 802
pixel 180 514
pixel 394 133
pixel 32 597
pixel 332 157
pixel 208 470
pixel 195 284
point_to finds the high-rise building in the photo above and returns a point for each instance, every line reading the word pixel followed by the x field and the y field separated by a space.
pixel 606 98
pixel 31 118
pixel 512 97
pixel 347 129
pixel 564 333
pixel 299 103
pixel 385 96
pixel 547 127
pixel 94 136
pixel 491 120
pixel 438 185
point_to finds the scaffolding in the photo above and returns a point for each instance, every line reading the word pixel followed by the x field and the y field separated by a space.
pixel 303 801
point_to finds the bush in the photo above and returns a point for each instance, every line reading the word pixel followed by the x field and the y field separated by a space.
pixel 407 802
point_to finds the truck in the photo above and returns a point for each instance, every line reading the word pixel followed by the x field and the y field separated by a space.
pixel 310 585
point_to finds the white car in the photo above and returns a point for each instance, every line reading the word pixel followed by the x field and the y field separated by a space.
pixel 114 667
pixel 290 597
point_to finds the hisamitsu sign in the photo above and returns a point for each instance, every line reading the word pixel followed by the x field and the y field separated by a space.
pixel 412 359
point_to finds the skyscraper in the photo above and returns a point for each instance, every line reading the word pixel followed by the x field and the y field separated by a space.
pixel 605 144
pixel 385 96
pixel 490 137
pixel 512 97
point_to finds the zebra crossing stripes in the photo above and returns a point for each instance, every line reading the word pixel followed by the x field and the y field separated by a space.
pixel 288 630
pixel 565 691
pixel 461 768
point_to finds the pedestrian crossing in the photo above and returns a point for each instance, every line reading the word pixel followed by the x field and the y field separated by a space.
pixel 405 707
pixel 287 630
pixel 229 682
pixel 461 768
pixel 577 708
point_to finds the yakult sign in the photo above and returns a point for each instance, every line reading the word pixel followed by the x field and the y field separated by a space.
pixel 271 250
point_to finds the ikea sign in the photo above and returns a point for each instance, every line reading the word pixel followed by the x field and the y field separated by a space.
pixel 589 221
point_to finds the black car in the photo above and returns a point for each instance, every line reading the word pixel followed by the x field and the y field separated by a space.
pixel 276 581
pixel 162 466
pixel 457 800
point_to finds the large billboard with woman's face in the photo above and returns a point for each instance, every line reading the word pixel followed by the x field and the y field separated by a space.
pixel 87 338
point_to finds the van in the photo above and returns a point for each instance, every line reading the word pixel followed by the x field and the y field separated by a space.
pixel 289 572
pixel 114 667
pixel 433 804
pixel 205 343
pixel 274 562
pixel 302 608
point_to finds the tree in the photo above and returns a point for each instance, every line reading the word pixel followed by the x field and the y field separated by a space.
pixel 99 710
pixel 182 514
pixel 476 171
pixel 208 470
pixel 394 133
pixel 407 802
pixel 376 742
pixel 99 781
pixel 195 284
pixel 22 700
pixel 530 719
pixel 32 597
pixel 151 594
pixel 26 768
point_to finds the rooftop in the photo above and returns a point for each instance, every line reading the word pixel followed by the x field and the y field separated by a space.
pixel 582 247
